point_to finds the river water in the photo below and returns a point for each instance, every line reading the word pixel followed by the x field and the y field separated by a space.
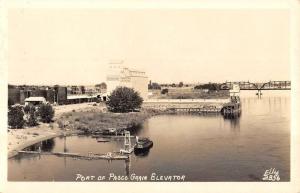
pixel 202 148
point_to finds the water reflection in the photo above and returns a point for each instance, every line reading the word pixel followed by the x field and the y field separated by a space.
pixel 127 166
pixel 46 145
pixel 23 156
pixel 234 120
pixel 203 147
pixel 135 130
pixel 144 153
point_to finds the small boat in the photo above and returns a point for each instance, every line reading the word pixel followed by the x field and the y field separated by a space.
pixel 143 144
pixel 109 131
pixel 98 132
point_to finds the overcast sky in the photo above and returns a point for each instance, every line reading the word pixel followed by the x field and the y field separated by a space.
pixel 74 46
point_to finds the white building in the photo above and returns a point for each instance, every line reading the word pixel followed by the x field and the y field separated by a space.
pixel 235 90
pixel 118 75
pixel 35 100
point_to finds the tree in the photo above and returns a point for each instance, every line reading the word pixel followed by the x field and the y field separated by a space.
pixel 27 109
pixel 16 117
pixel 156 86
pixel 46 113
pixel 124 99
pixel 32 117
pixel 164 91
pixel 209 86
pixel 101 85
pixel 180 84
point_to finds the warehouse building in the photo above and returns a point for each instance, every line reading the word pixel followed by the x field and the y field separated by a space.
pixel 19 94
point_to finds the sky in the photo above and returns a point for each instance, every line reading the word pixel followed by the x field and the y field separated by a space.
pixel 75 45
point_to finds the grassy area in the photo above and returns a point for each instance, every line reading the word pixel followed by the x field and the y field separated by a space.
pixel 190 94
pixel 95 119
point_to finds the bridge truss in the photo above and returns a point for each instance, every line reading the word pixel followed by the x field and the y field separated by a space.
pixel 271 85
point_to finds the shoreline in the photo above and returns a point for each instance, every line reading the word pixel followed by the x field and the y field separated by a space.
pixel 19 139
pixel 77 119
pixel 45 136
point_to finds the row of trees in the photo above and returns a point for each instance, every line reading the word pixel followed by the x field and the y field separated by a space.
pixel 209 86
pixel 19 116
pixel 157 86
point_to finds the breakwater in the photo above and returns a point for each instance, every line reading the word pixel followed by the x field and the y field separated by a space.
pixel 164 104
pixel 187 105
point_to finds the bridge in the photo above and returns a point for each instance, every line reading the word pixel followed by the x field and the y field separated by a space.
pixel 271 85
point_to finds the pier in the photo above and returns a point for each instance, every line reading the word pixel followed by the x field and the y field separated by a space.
pixel 186 105
pixel 89 156
pixel 209 109
pixel 111 136
pixel 198 106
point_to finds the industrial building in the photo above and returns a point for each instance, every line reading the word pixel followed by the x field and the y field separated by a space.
pixel 19 94
pixel 60 95
pixel 118 75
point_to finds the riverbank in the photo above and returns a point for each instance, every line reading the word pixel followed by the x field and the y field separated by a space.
pixel 97 119
pixel 19 139
pixel 91 118
pixel 72 119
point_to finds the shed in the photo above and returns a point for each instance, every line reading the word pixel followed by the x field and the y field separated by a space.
pixel 35 100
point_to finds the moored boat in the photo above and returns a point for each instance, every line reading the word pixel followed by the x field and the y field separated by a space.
pixel 109 131
pixel 143 144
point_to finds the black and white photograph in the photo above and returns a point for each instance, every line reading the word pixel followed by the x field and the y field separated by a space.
pixel 150 94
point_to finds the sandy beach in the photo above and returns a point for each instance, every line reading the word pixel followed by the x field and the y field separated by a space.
pixel 19 139
pixel 22 138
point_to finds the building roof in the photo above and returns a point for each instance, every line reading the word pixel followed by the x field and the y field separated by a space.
pixel 35 99
pixel 82 96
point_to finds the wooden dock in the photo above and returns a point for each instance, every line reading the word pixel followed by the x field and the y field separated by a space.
pixel 111 136
pixel 208 109
pixel 228 106
pixel 89 156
